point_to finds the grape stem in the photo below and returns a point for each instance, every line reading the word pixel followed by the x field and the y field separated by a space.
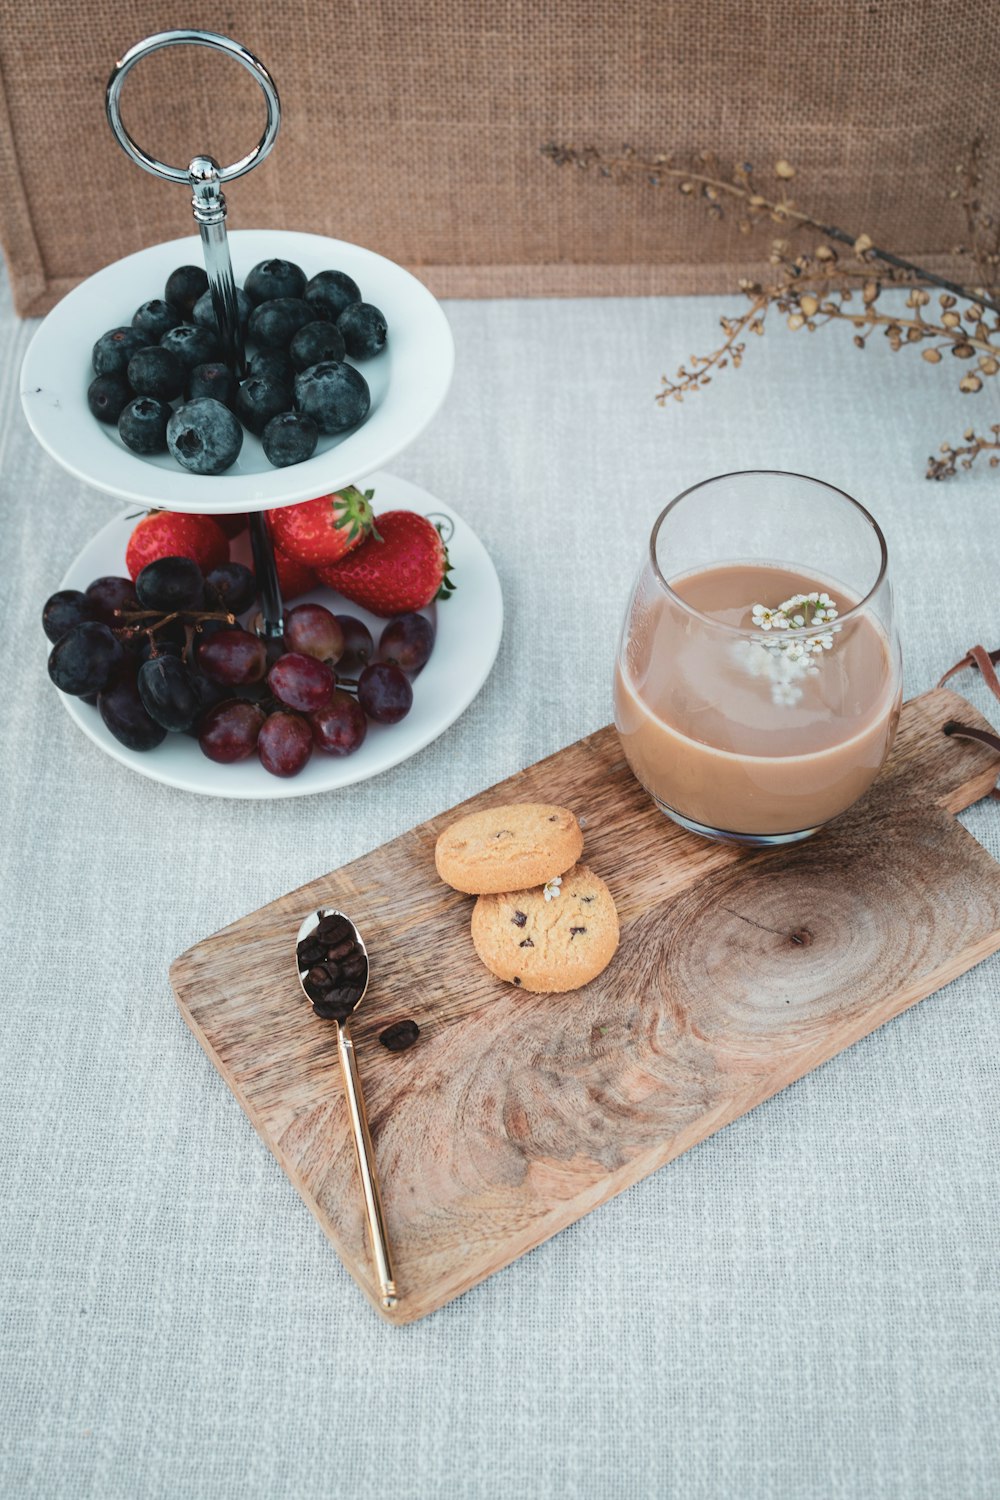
pixel 189 616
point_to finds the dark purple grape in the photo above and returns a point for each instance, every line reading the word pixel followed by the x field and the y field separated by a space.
pixel 85 659
pixel 339 728
pixel 229 731
pixel 208 693
pixel 64 610
pixel 168 641
pixel 234 585
pixel 301 682
pixel 407 642
pixel 313 631
pixel 359 647
pixel 124 713
pixel 171 583
pixel 384 693
pixel 167 693
pixel 232 656
pixel 285 744
pixel 106 595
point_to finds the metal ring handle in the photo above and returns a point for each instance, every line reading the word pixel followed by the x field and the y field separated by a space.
pixel 193 38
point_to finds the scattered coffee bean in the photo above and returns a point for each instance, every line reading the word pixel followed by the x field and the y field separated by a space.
pixel 399 1036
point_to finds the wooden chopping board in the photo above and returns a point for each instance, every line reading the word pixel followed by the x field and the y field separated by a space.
pixel 516 1114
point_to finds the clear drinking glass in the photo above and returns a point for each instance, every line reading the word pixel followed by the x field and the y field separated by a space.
pixel 744 721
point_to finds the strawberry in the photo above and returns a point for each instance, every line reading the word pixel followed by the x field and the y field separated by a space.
pixel 231 525
pixel 165 534
pixel 320 532
pixel 294 578
pixel 402 566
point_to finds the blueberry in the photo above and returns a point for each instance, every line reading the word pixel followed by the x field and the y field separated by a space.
pixel 274 278
pixel 156 372
pixel 192 345
pixel 274 364
pixel 290 438
pixel 115 348
pixel 204 312
pixel 107 396
pixel 184 287
pixel 258 400
pixel 335 396
pixel 329 292
pixel 204 436
pixel 64 610
pixel 364 330
pixel 143 425
pixel 155 318
pixel 315 344
pixel 215 380
pixel 274 324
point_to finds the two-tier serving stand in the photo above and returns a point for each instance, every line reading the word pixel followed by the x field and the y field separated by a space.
pixel 408 384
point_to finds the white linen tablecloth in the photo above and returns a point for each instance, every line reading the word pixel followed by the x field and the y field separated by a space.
pixel 805 1305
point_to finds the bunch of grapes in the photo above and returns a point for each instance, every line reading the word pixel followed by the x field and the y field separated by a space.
pixel 169 655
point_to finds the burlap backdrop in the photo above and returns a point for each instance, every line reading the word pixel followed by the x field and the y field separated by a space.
pixel 415 129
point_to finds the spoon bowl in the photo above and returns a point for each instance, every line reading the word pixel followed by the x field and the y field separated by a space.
pixel 333 965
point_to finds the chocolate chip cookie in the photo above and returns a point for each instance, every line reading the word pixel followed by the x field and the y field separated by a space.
pixel 507 848
pixel 548 940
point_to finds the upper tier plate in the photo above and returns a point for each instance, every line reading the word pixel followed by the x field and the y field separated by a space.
pixel 408 380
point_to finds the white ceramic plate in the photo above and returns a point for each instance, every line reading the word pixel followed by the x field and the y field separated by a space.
pixel 408 380
pixel 469 626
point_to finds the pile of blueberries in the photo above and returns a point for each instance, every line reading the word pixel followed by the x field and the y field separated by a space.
pixel 167 654
pixel 298 335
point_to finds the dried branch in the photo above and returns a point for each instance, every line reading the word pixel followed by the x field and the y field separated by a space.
pixel 813 289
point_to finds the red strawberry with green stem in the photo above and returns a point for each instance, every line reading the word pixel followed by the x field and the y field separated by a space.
pixel 322 531
pixel 402 566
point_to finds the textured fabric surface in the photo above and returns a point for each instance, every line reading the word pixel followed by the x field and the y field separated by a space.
pixel 804 1306
pixel 415 128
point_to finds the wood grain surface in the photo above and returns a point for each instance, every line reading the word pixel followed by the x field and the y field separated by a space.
pixel 516 1114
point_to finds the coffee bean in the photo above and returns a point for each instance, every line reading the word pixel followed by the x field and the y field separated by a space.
pixel 331 929
pixel 341 950
pixel 317 982
pixel 310 952
pixel 399 1036
pixel 337 1003
pixel 354 967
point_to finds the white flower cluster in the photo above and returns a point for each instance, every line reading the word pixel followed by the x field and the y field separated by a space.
pixel 786 661
pixel 552 888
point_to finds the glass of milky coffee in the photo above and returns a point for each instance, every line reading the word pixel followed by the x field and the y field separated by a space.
pixel 758 680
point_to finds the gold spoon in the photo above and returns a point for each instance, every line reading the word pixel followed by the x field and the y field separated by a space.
pixel 346 958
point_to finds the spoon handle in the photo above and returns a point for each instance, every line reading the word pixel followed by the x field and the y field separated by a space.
pixel 366 1166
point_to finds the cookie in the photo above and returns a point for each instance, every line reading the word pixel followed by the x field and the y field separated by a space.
pixel 508 848
pixel 548 946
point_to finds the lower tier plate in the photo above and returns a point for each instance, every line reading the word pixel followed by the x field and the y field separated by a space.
pixel 469 626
